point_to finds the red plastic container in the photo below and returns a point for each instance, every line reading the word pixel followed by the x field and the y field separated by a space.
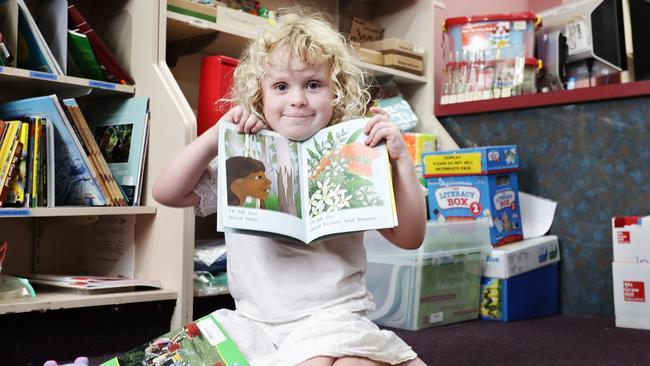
pixel 216 80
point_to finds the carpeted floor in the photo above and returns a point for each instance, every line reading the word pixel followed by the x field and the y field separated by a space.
pixel 558 340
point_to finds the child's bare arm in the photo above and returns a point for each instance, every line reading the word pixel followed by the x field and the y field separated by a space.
pixel 174 185
pixel 409 196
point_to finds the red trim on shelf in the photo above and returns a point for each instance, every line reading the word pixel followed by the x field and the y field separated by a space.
pixel 563 97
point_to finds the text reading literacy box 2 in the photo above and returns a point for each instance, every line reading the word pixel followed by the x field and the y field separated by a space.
pixel 467 184
pixel 202 342
pixel 631 300
pixel 520 257
pixel 631 239
pixel 328 184
pixel 437 284
pixel 528 295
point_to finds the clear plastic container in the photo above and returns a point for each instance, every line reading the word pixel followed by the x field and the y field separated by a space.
pixel 437 284
pixel 496 36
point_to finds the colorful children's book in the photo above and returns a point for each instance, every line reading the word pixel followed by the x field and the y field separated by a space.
pixel 74 184
pixel 120 129
pixel 203 342
pixel 9 30
pixel 33 51
pixel 90 284
pixel 329 184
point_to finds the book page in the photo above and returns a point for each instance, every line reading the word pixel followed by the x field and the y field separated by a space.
pixel 349 183
pixel 260 187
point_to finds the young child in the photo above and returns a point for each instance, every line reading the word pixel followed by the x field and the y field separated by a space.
pixel 296 303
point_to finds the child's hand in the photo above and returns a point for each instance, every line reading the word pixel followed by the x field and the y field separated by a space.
pixel 381 128
pixel 246 122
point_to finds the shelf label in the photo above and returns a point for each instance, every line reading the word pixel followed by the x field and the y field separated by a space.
pixel 42 75
pixel 12 212
pixel 2 69
pixel 101 85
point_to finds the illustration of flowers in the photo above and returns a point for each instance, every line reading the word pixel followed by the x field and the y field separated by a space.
pixel 339 167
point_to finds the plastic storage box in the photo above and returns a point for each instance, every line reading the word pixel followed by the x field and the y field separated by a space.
pixel 216 80
pixel 491 37
pixel 437 284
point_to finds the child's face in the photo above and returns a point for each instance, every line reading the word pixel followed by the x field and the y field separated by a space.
pixel 297 97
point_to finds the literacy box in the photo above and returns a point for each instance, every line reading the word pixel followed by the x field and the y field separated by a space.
pixel 473 183
pixel 631 239
pixel 437 284
pixel 520 280
pixel 631 300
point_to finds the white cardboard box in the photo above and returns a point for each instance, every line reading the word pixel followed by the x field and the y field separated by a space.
pixel 631 297
pixel 631 239
pixel 522 256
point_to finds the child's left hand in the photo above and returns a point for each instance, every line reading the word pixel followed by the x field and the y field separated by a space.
pixel 381 128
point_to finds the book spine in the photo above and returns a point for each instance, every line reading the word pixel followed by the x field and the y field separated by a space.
pixel 15 156
pixel 102 53
pixel 17 193
pixel 36 161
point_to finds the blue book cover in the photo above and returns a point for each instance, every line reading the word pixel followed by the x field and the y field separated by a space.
pixel 34 53
pixel 120 128
pixel 74 182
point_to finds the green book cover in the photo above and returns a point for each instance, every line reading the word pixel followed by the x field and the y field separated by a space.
pixel 202 342
pixel 83 56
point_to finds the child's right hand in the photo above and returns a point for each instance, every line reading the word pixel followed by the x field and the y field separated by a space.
pixel 246 122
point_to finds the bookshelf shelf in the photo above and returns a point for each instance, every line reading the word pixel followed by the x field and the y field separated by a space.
pixel 45 300
pixel 231 41
pixel 26 83
pixel 75 211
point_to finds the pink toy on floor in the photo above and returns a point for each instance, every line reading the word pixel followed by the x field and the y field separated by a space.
pixel 79 361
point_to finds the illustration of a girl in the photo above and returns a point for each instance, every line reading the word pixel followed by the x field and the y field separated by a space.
pixel 245 177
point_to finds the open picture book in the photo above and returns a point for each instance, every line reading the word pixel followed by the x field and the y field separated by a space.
pixel 329 184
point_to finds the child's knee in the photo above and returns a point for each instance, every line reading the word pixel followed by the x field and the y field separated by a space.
pixel 357 361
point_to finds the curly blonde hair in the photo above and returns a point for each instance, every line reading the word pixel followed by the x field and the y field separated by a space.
pixel 314 41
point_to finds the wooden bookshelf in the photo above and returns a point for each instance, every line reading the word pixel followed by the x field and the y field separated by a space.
pixel 581 95
pixel 230 41
pixel 75 211
pixel 26 83
pixel 52 300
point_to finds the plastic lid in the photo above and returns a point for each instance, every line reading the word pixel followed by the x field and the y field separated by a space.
pixel 525 15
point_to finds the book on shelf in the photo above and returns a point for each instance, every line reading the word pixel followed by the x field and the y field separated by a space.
pixel 90 284
pixel 75 181
pixel 106 180
pixel 329 184
pixel 9 29
pixel 113 71
pixel 120 128
pixel 83 57
pixel 201 342
pixel 51 18
pixel 33 51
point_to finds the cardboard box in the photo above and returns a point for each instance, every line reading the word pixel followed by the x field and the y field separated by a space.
pixel 396 45
pixel 523 256
pixel 363 30
pixel 631 296
pixel 246 24
pixel 404 63
pixel 528 295
pixel 631 239
pixel 437 284
pixel 371 56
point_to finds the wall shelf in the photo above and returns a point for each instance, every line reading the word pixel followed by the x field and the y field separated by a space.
pixel 45 300
pixel 26 83
pixel 232 40
pixel 581 95
pixel 75 211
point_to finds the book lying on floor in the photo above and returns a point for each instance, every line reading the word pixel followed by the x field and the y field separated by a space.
pixel 202 342
pixel 329 184
pixel 90 284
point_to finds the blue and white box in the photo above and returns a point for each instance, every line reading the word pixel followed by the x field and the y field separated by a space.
pixel 468 184
pixel 520 280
